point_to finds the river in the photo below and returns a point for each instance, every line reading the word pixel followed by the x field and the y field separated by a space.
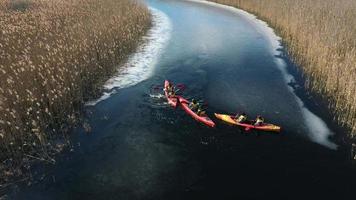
pixel 140 148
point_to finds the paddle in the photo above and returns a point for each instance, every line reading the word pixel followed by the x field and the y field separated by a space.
pixel 177 90
pixel 179 86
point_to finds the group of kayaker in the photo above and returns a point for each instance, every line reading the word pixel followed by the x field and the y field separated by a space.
pixel 242 118
pixel 194 105
pixel 195 109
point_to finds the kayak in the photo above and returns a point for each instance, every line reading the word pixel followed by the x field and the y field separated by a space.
pixel 264 127
pixel 172 100
pixel 203 118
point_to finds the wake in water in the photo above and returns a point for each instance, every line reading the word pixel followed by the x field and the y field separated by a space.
pixel 141 64
pixel 157 96
pixel 157 99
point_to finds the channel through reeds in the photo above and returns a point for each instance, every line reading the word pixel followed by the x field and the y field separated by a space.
pixel 321 38
pixel 54 55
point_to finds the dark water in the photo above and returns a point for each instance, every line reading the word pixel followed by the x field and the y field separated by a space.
pixel 140 149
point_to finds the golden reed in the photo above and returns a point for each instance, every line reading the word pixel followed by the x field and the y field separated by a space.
pixel 54 55
pixel 321 37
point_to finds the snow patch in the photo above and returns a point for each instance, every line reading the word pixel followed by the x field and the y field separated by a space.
pixel 319 131
pixel 140 65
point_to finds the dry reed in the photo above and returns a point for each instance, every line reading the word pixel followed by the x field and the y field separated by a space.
pixel 321 37
pixel 53 56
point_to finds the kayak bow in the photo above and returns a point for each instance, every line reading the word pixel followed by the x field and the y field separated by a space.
pixel 203 119
pixel 264 127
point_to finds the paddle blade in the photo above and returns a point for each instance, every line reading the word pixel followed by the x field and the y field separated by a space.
pixel 180 85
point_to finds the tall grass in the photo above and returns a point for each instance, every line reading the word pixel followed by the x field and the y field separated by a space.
pixel 53 56
pixel 321 37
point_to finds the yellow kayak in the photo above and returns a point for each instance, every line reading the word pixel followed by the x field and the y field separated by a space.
pixel 264 127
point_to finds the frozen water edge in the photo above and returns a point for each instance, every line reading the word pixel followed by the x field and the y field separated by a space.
pixel 141 64
pixel 319 131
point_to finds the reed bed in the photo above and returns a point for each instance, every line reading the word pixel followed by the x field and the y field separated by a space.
pixel 54 55
pixel 321 37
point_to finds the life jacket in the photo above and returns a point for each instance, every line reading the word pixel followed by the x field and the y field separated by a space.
pixel 170 90
pixel 194 106
pixel 200 112
pixel 242 118
pixel 259 121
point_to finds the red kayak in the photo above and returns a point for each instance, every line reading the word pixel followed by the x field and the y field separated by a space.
pixel 203 118
pixel 172 99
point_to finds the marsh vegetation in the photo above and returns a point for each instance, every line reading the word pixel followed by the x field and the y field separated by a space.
pixel 321 37
pixel 54 55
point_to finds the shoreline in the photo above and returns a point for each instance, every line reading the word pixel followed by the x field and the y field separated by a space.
pixel 318 128
pixel 322 97
pixel 140 64
pixel 17 165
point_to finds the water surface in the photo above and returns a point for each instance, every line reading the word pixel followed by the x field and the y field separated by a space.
pixel 142 149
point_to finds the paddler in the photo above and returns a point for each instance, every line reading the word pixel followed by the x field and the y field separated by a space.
pixel 241 118
pixel 170 89
pixel 194 105
pixel 200 111
pixel 259 120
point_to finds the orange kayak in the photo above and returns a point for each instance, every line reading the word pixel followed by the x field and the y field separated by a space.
pixel 264 127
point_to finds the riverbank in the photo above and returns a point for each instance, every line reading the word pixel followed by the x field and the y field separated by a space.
pixel 140 148
pixel 55 56
pixel 319 36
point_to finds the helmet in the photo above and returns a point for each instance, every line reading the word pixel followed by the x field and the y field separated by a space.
pixel 194 101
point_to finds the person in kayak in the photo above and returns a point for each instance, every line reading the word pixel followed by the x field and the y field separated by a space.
pixel 194 105
pixel 259 120
pixel 241 118
pixel 170 89
pixel 201 111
